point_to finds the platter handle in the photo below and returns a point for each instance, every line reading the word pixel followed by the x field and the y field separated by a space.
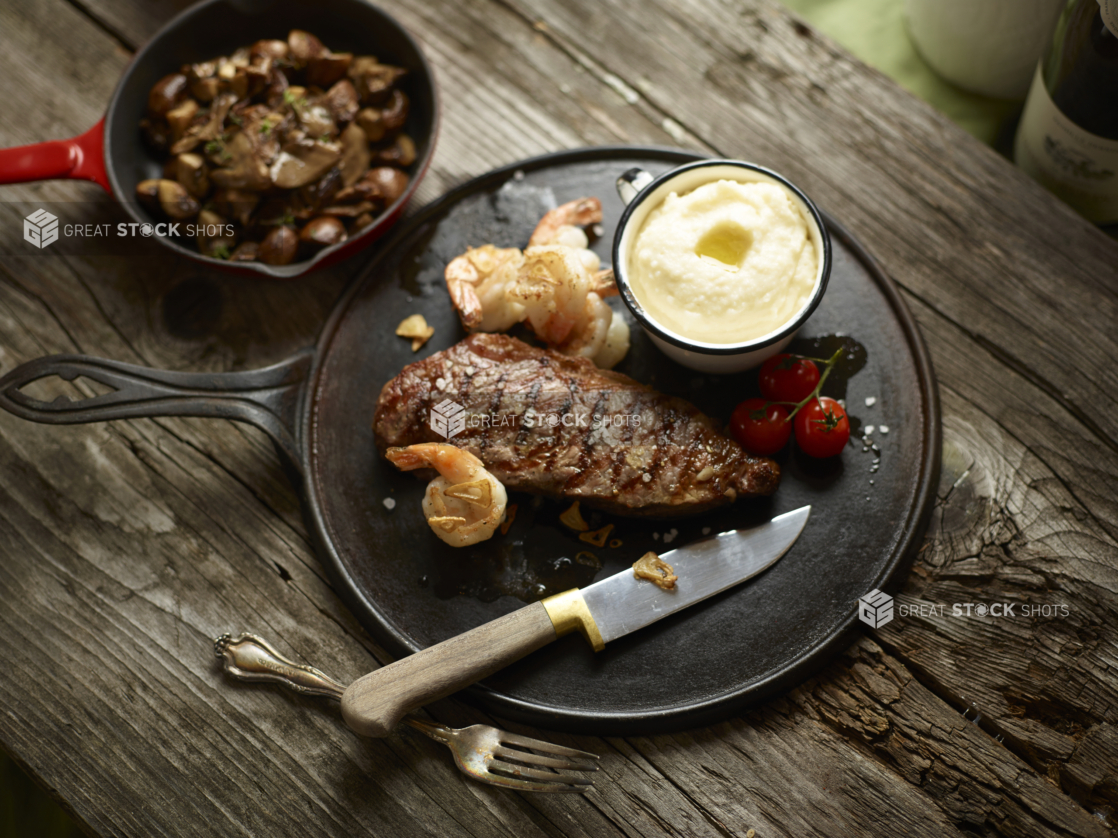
pixel 267 398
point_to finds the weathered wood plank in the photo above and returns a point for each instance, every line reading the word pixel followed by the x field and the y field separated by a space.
pixel 202 479
pixel 136 541
pixel 1021 522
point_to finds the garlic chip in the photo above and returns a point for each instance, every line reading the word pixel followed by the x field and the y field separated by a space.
pixel 655 570
pixel 416 328
pixel 573 518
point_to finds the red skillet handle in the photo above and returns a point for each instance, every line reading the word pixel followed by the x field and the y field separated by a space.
pixel 82 158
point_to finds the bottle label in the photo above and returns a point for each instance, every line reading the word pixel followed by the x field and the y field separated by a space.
pixel 1078 166
pixel 1109 10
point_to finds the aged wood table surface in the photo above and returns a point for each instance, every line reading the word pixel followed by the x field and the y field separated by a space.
pixel 126 546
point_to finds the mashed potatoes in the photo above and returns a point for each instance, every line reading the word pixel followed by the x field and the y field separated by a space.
pixel 725 263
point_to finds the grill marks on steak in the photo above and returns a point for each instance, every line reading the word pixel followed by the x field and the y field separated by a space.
pixel 667 458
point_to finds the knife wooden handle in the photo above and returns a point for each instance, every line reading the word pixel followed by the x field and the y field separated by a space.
pixel 374 704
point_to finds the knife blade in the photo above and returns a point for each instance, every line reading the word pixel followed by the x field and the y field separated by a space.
pixel 621 603
pixel 375 703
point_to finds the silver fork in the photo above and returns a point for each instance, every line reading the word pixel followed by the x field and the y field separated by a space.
pixel 485 753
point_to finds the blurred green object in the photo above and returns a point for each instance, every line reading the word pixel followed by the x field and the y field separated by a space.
pixel 26 811
pixel 874 31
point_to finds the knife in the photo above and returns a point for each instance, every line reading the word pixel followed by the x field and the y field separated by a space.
pixel 374 704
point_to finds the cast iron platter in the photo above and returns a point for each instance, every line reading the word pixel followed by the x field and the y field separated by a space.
pixel 869 507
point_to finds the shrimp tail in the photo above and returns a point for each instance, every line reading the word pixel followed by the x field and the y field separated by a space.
pixel 578 213
pixel 604 284
pixel 406 459
pixel 461 279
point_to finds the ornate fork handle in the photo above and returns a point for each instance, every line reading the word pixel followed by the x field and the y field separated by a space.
pixel 250 658
pixel 480 751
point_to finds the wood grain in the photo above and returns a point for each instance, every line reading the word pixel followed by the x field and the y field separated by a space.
pixel 375 703
pixel 127 546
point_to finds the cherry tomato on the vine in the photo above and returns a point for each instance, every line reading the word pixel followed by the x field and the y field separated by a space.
pixel 786 378
pixel 822 428
pixel 759 429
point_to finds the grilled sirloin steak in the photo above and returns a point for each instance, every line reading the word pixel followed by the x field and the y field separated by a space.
pixel 550 424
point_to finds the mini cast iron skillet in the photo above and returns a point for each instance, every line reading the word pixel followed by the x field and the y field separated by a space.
pixel 113 154
pixel 410 590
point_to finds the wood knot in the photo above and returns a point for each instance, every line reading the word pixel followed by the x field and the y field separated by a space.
pixel 192 309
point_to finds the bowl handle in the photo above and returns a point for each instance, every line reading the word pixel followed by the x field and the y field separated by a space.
pixel 80 158
pixel 267 398
pixel 630 184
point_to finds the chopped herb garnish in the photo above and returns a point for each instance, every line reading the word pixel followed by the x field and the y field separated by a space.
pixel 266 127
pixel 289 98
pixel 236 119
pixel 286 220
pixel 220 252
pixel 214 147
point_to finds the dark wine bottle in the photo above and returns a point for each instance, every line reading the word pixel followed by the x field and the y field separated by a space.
pixel 1068 137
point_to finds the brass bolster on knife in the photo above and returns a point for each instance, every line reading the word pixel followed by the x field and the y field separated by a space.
pixel 568 612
